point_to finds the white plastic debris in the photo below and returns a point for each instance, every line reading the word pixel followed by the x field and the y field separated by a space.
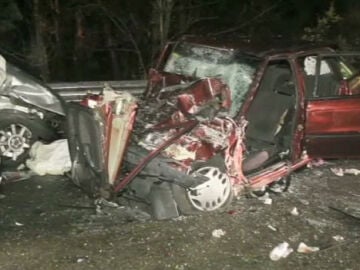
pixel 352 171
pixel 295 211
pixel 80 260
pixel 338 238
pixel 303 248
pixel 337 171
pixel 342 172
pixel 280 251
pixel 103 202
pixel 272 228
pixel 218 233
pixel 266 199
pixel 53 158
pixel 18 224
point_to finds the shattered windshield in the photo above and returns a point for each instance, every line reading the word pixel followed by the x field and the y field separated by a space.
pixel 201 61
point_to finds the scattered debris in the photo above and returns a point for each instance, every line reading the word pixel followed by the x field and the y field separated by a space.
pixel 294 211
pixel 218 233
pixel 317 223
pixel 272 228
pixel 318 172
pixel 352 171
pixel 14 176
pixel 266 199
pixel 53 158
pixel 337 171
pixel 103 202
pixel 341 172
pixel 180 218
pixel 280 251
pixel 81 259
pixel 105 207
pixel 338 238
pixel 303 248
pixel 18 224
pixel 316 163
pixel 304 202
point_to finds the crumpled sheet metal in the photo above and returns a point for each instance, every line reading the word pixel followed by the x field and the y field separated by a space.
pixel 206 100
pixel 116 112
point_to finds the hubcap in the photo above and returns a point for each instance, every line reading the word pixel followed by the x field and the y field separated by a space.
pixel 14 140
pixel 213 193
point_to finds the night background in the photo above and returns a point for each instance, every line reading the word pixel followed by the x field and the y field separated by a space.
pixel 78 40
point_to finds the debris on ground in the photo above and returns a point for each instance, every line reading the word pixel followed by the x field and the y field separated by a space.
pixel 303 248
pixel 338 238
pixel 14 176
pixel 266 199
pixel 341 172
pixel 218 233
pixel 53 158
pixel 272 228
pixel 70 218
pixel 294 211
pixel 103 202
pixel 316 163
pixel 280 251
pixel 352 171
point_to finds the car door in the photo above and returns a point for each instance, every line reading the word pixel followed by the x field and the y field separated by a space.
pixel 332 115
pixel 86 133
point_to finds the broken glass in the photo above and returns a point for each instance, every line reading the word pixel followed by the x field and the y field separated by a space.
pixel 201 61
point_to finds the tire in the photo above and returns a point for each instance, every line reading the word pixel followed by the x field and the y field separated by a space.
pixel 186 199
pixel 18 132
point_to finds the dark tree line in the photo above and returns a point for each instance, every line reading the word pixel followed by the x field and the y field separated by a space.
pixel 118 39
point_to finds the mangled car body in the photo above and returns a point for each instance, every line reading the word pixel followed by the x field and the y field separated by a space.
pixel 217 120
pixel 29 111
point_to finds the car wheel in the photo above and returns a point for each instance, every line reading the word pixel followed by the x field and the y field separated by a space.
pixel 18 131
pixel 213 194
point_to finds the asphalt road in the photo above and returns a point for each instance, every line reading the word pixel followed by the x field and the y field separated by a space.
pixel 48 223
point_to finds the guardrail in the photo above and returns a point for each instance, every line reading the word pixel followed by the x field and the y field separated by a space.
pixel 75 91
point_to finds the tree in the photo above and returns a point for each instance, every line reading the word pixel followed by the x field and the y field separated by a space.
pixel 323 30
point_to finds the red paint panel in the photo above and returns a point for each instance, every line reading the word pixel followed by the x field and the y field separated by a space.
pixel 204 92
pixel 334 147
pixel 332 128
pixel 333 116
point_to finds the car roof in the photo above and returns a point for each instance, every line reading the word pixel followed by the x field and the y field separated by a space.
pixel 260 49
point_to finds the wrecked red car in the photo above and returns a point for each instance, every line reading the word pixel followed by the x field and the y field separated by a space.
pixel 216 121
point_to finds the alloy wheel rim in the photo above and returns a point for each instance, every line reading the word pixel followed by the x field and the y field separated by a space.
pixel 15 139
